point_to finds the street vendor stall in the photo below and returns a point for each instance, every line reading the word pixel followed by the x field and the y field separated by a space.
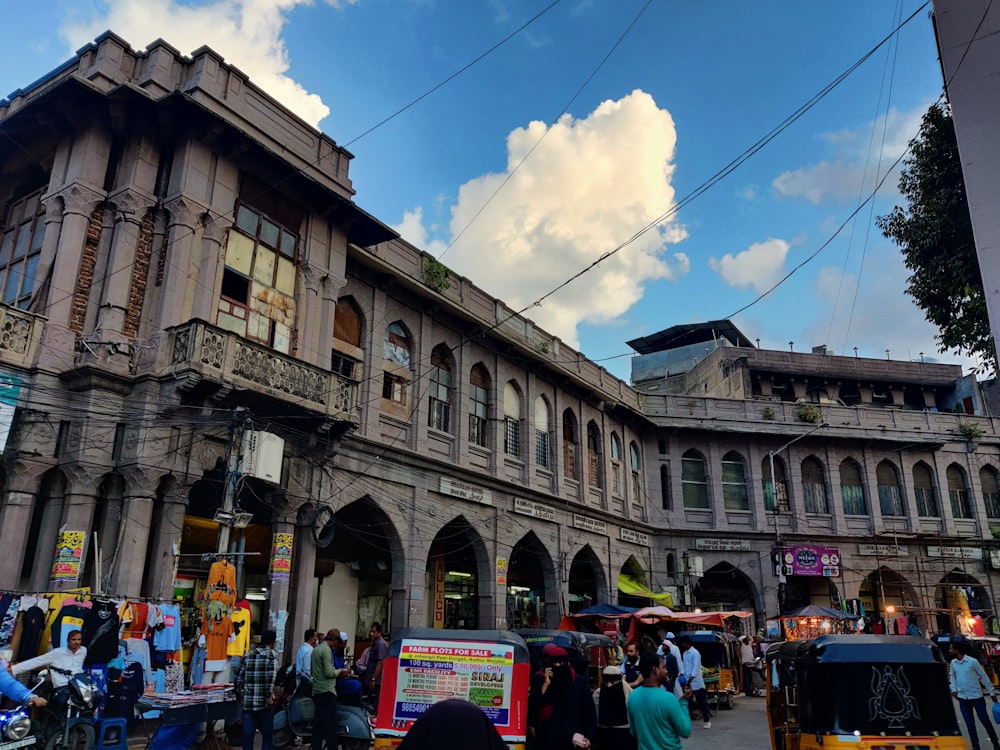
pixel 815 621
pixel 188 709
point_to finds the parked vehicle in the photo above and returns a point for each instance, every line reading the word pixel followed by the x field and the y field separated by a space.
pixel 720 654
pixel 842 692
pixel 15 725
pixel 294 714
pixel 70 715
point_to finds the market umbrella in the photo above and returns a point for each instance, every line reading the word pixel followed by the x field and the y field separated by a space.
pixel 815 610
pixel 608 611
pixel 651 615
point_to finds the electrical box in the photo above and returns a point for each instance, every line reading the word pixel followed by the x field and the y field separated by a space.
pixel 262 455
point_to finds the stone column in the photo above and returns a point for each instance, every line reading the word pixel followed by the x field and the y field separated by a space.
pixel 137 517
pixel 409 607
pixel 211 262
pixel 165 541
pixel 870 478
pixel 278 590
pixel 300 600
pixel 179 292
pixel 130 209
pixel 78 511
pixel 15 519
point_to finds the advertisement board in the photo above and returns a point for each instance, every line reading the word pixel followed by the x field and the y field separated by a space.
pixel 806 560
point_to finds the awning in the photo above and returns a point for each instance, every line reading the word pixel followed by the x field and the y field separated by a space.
pixel 628 585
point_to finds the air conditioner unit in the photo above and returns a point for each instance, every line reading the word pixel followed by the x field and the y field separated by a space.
pixel 262 455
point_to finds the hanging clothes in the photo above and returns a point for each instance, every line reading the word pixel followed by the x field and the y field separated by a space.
pixel 32 627
pixel 9 606
pixel 69 618
pixel 168 637
pixel 100 632
pixel 222 583
pixel 241 629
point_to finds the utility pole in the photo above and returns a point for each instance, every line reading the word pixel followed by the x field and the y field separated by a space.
pixel 234 460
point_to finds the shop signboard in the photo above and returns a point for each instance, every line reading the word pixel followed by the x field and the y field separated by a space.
pixel 281 557
pixel 432 670
pixel 722 545
pixel 806 560
pixel 68 556
pixel 439 573
pixel 502 571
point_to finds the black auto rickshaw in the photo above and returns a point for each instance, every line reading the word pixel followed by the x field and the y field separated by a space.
pixel 837 691
pixel 597 648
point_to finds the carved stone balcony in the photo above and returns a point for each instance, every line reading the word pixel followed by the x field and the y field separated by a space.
pixel 200 352
pixel 20 333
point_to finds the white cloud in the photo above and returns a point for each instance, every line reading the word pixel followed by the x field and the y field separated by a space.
pixel 247 33
pixel 760 266
pixel 412 229
pixel 847 173
pixel 591 184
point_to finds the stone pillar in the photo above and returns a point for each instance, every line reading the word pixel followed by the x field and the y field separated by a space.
pixel 165 540
pixel 130 209
pixel 300 599
pixel 211 262
pixel 15 520
pixel 409 607
pixel 78 512
pixel 52 494
pixel 278 590
pixel 130 556
pixel 182 228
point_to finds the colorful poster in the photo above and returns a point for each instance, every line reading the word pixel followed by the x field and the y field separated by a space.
pixel 502 563
pixel 806 560
pixel 438 591
pixel 281 557
pixel 68 556
pixel 432 671
pixel 10 391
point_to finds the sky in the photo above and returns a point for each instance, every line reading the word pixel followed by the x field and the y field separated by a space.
pixel 537 137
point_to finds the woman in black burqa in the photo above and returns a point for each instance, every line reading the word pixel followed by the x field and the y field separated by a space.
pixel 453 725
pixel 560 705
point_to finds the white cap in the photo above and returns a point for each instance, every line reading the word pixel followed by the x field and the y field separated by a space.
pixel 669 636
pixel 343 636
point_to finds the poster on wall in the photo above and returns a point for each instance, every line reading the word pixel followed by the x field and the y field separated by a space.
pixel 806 560
pixel 68 556
pixel 281 557
pixel 502 571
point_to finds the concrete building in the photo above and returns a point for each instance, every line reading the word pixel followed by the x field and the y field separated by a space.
pixel 188 278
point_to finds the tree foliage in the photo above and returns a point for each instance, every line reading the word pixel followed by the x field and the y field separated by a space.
pixel 934 232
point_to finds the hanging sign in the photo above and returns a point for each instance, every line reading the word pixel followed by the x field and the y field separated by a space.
pixel 502 563
pixel 281 557
pixel 806 560
pixel 439 591
pixel 68 556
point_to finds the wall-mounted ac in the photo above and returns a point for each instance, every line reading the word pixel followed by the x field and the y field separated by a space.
pixel 262 455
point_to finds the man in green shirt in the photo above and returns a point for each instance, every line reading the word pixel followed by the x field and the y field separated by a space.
pixel 656 717
pixel 324 692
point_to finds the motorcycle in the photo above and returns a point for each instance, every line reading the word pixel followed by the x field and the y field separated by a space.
pixel 294 715
pixel 71 714
pixel 15 725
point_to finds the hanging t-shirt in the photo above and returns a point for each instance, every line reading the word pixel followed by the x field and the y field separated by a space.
pixel 124 689
pixel 8 617
pixel 70 617
pixel 217 634
pixel 222 582
pixel 138 651
pixel 100 632
pixel 137 628
pixel 32 627
pixel 169 638
pixel 241 627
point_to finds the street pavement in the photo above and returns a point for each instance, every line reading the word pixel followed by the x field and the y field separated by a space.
pixel 743 727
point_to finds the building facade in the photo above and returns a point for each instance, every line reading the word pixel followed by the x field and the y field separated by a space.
pixel 191 294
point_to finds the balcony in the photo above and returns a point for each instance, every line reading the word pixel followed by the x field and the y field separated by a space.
pixel 200 352
pixel 20 333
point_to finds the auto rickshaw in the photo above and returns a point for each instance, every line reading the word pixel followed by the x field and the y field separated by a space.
pixel 850 691
pixel 490 668
pixel 597 648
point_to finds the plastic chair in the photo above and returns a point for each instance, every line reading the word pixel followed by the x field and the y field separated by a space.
pixel 112 735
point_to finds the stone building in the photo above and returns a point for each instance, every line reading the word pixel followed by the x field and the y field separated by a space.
pixel 187 279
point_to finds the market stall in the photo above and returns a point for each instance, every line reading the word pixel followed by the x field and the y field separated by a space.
pixel 814 621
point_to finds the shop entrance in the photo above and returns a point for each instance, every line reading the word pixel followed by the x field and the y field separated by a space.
pixel 725 587
pixel 964 603
pixel 586 580
pixel 801 591
pixel 889 600
pixel 529 568
pixel 457 555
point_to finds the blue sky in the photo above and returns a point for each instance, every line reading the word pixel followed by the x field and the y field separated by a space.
pixel 540 158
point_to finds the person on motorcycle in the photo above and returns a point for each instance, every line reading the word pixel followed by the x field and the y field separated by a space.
pixel 11 688
pixel 63 663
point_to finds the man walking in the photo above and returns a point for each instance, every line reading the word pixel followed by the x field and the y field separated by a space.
pixel 656 717
pixel 630 667
pixel 691 672
pixel 255 684
pixel 970 684
pixel 324 684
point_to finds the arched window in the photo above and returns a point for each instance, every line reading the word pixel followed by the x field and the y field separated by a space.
pixel 991 491
pixel 734 482
pixel 923 492
pixel 439 389
pixel 593 454
pixel 396 354
pixel 542 432
pixel 814 497
pixel 616 465
pixel 633 462
pixel 769 487
pixel 511 420
pixel 852 491
pixel 694 480
pixel 569 435
pixel 890 493
pixel 347 327
pixel 958 492
pixel 479 403
pixel 665 486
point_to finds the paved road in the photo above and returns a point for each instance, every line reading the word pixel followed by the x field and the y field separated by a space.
pixel 744 727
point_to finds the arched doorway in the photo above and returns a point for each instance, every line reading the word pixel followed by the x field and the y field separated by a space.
pixel 528 600
pixel 888 596
pixel 633 571
pixel 725 587
pixel 964 605
pixel 457 570
pixel 587 582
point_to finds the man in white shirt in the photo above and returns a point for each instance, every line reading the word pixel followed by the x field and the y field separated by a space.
pixel 691 674
pixel 969 684
pixel 63 663
pixel 303 661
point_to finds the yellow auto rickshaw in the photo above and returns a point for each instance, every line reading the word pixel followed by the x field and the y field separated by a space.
pixel 851 691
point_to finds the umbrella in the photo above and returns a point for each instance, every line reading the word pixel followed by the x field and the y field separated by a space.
pixel 814 610
pixel 609 611
pixel 650 615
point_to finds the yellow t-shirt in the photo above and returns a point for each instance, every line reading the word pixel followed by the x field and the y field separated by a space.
pixel 241 624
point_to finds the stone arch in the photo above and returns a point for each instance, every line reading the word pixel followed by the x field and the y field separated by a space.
pixel 532 586
pixel 725 587
pixel 588 580
pixel 888 594
pixel 963 602
pixel 460 577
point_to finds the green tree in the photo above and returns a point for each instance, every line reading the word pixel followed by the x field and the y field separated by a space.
pixel 934 232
